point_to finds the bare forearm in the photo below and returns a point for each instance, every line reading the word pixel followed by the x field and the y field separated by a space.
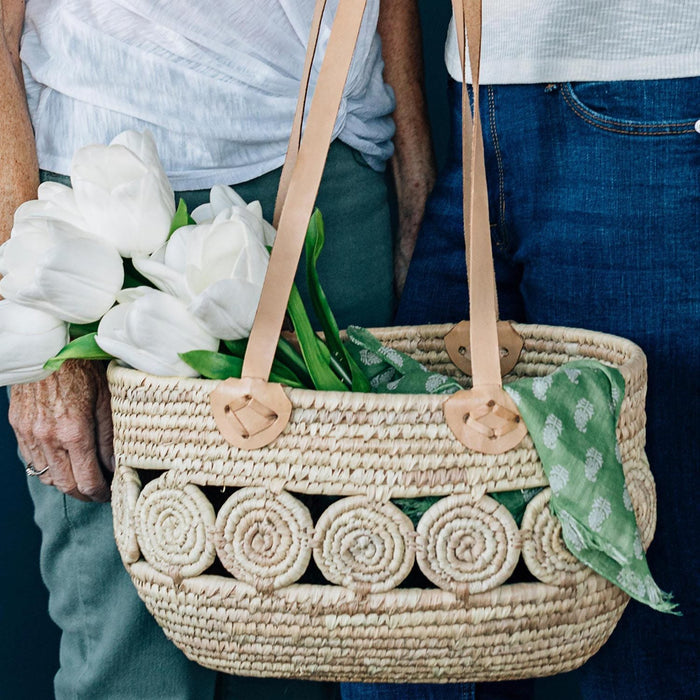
pixel 399 28
pixel 413 163
pixel 18 163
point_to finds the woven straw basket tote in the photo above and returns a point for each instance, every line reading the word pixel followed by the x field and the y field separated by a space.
pixel 212 521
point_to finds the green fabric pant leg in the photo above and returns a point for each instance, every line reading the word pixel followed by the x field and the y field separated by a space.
pixel 356 265
pixel 111 648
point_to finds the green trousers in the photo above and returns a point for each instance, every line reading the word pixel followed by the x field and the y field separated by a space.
pixel 110 645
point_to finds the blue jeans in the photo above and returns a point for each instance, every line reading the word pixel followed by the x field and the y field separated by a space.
pixel 595 211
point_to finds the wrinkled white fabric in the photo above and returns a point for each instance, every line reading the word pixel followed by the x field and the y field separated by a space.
pixel 542 41
pixel 216 82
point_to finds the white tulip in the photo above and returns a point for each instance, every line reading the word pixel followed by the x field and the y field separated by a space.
pixel 55 201
pixel 149 329
pixel 28 338
pixel 124 194
pixel 217 268
pixel 50 265
pixel 223 199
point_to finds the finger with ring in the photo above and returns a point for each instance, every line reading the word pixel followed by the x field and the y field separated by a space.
pixel 29 469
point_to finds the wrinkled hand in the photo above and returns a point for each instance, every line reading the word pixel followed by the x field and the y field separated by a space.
pixel 65 422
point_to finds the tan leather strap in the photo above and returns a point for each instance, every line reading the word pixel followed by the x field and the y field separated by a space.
pixel 306 174
pixel 303 188
pixel 295 137
pixel 483 310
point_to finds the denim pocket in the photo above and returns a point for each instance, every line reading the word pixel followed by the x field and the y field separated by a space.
pixel 637 107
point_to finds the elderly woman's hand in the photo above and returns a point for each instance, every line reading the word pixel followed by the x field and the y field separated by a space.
pixel 65 423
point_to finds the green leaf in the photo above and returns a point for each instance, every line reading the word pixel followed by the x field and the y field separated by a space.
pixel 287 363
pixel 343 362
pixel 78 330
pixel 322 375
pixel 83 348
pixel 237 347
pixel 181 218
pixel 288 356
pixel 217 365
pixel 213 365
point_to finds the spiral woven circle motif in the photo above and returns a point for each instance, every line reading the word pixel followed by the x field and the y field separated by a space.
pixel 126 488
pixel 173 523
pixel 264 538
pixel 642 493
pixel 544 551
pixel 363 545
pixel 467 545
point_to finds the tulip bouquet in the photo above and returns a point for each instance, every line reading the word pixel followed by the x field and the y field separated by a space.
pixel 110 268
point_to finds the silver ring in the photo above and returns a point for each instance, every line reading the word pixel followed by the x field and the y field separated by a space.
pixel 33 472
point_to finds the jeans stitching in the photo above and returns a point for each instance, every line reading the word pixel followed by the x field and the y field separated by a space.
pixel 502 239
pixel 640 129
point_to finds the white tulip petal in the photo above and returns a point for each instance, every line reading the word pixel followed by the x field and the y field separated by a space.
pixel 222 197
pixel 253 262
pixel 26 321
pixel 227 308
pixel 160 319
pixel 55 201
pixel 32 209
pixel 4 268
pixel 124 194
pixel 55 192
pixel 28 337
pixel 73 277
pixel 163 277
pixel 125 296
pixel 28 375
pixel 249 217
pixel 151 331
pixel 142 144
pixel 176 249
pixel 213 253
pixel 143 360
pixel 108 166
pixel 203 214
pixel 81 294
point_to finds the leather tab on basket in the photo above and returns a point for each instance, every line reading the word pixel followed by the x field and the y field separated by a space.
pixel 485 419
pixel 510 345
pixel 250 413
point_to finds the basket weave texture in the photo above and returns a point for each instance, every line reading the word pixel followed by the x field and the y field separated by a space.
pixel 220 542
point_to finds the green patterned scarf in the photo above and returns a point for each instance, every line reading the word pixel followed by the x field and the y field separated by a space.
pixel 571 416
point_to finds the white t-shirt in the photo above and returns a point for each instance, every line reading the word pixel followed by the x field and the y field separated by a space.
pixel 216 82
pixel 543 41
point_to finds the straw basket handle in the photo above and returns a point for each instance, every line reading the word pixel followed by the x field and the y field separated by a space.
pixel 483 418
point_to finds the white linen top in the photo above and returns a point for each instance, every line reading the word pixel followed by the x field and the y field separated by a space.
pixel 215 81
pixel 549 41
